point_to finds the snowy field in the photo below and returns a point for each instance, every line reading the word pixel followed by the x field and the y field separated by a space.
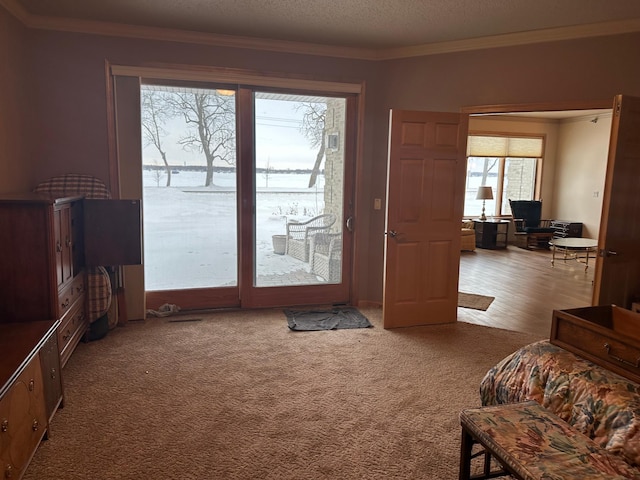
pixel 190 236
pixel 190 230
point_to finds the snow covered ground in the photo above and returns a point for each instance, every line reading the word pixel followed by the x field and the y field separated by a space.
pixel 190 238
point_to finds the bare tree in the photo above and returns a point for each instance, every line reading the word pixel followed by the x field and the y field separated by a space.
pixel 210 118
pixel 489 163
pixel 155 112
pixel 314 128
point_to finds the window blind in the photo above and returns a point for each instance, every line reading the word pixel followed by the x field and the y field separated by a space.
pixel 499 146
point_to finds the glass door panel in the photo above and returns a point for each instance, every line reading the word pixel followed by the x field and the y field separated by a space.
pixel 299 195
pixel 189 188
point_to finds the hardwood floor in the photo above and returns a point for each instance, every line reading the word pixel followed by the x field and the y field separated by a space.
pixel 525 286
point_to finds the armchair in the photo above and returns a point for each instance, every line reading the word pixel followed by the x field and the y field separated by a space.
pixel 325 256
pixel 530 230
pixel 299 234
pixel 468 240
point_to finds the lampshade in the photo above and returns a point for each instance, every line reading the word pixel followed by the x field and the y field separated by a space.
pixel 484 193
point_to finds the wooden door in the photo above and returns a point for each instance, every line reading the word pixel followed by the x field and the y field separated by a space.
pixel 617 273
pixel 425 201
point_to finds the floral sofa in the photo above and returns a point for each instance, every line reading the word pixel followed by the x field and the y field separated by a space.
pixel 597 402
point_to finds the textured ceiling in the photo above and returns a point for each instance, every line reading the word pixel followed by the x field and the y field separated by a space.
pixel 371 24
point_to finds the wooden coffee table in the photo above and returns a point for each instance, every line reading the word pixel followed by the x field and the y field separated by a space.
pixel 572 248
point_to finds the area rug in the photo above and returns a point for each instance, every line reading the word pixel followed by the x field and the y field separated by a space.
pixel 471 300
pixel 329 319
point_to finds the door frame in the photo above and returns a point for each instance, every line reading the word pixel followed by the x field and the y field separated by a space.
pixel 541 107
pixel 136 295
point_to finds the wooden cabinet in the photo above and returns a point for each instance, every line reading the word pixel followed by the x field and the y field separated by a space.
pixel 563 229
pixel 491 233
pixel 606 335
pixel 25 392
pixel 41 258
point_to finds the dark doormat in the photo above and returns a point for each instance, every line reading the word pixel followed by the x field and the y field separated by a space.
pixel 329 319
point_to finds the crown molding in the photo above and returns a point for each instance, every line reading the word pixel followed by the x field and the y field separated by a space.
pixel 514 39
pixel 200 38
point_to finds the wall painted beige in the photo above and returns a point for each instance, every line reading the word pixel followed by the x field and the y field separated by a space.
pixel 582 150
pixel 69 99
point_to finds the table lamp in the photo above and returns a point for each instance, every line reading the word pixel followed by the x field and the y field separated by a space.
pixel 484 193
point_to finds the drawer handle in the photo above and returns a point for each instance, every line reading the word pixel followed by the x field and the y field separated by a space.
pixel 4 426
pixel 35 425
pixel 66 303
pixel 53 373
pixel 8 471
pixel 621 360
pixel 31 385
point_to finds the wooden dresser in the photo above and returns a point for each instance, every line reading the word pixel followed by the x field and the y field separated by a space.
pixel 30 391
pixel 42 273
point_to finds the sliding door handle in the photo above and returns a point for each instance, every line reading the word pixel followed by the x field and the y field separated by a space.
pixel 349 224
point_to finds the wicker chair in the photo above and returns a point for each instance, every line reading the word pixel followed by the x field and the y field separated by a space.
pixel 325 256
pixel 299 234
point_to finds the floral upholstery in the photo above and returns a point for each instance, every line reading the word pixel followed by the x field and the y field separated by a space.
pixel 597 402
pixel 536 444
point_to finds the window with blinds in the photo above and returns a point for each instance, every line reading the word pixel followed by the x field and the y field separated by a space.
pixel 508 164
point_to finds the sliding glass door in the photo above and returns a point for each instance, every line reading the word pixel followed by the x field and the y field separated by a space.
pixel 189 187
pixel 299 181
pixel 244 195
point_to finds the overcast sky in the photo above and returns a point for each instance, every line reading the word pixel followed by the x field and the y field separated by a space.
pixel 278 139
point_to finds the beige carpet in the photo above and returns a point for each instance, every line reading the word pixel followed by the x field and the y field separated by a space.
pixel 471 300
pixel 240 396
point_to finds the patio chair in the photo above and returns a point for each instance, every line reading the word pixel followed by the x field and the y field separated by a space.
pixel 325 256
pixel 299 234
pixel 531 230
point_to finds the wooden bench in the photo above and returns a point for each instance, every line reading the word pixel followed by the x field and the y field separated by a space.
pixel 531 443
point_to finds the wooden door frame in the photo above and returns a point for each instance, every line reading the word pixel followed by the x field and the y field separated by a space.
pixel 539 107
pixel 287 82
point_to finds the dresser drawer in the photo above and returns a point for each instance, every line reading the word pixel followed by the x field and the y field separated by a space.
pixel 70 293
pixel 71 329
pixel 23 420
pixel 608 336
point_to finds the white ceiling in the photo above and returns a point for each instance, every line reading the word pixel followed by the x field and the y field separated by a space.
pixel 377 25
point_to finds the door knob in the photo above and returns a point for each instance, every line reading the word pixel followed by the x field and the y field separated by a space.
pixel 391 233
